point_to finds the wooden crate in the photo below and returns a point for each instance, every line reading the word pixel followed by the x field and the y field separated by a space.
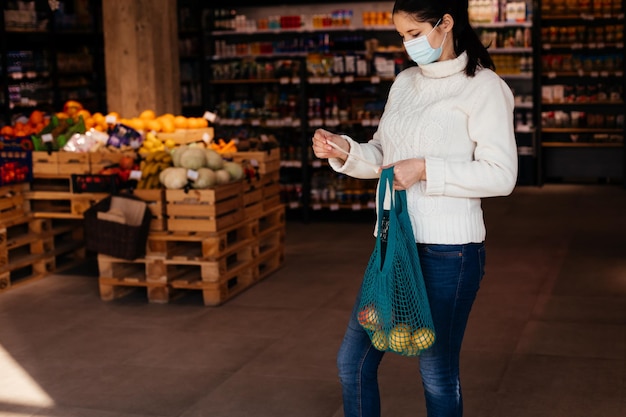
pixel 13 203
pixel 185 136
pixel 155 200
pixel 207 210
pixel 60 163
pixel 266 162
pixel 100 160
pixel 268 263
pixel 62 205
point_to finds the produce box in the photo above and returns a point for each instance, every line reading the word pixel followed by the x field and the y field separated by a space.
pixel 185 136
pixel 100 160
pixel 204 210
pixel 155 199
pixel 16 163
pixel 264 161
pixel 60 163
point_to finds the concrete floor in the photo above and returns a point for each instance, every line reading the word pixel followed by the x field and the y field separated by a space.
pixel 547 336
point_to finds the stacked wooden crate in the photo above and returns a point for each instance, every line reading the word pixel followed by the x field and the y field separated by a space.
pixel 31 247
pixel 218 241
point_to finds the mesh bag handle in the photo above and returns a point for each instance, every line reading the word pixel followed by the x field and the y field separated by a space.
pixel 394 307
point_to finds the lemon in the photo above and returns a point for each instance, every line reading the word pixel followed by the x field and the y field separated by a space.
pixel 379 341
pixel 400 338
pixel 423 338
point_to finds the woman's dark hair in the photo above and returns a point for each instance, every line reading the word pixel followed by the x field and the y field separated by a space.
pixel 465 39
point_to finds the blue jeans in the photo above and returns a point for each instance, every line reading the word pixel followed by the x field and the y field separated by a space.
pixel 452 274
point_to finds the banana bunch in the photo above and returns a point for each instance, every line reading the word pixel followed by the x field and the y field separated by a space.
pixel 151 166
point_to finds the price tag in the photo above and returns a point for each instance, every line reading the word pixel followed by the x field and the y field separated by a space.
pixel 356 207
pixel 335 80
pixel 254 163
pixel 552 74
pixel 316 206
pixel 295 80
pixel 334 207
pixel 348 79
pixel 314 80
pixel 110 120
pixel 135 175
pixel 294 204
pixel 604 73
pixel 316 163
pixel 375 122
pixel 255 122
pixel 206 138
pixel 192 174
pixel 375 79
pixel 594 74
pixel 47 138
pixel 211 117
pixel 264 138
pixel 325 80
pixel 366 122
pixel 284 80
pixel 547 46
pixel 371 204
pixel 296 123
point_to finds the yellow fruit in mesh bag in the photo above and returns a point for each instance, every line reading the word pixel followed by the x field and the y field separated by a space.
pixel 379 340
pixel 423 338
pixel 400 338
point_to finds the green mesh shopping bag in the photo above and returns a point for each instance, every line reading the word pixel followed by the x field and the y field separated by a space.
pixel 394 307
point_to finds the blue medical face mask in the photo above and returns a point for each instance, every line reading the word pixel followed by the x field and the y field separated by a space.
pixel 421 52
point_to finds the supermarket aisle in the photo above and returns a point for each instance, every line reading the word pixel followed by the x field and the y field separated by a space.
pixel 547 336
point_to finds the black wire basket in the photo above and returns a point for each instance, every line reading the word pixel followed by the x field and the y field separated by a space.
pixel 116 239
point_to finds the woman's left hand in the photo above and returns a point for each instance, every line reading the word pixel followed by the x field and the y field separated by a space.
pixel 408 172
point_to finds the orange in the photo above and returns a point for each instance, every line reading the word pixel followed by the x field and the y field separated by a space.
pixel 85 113
pixel 7 131
pixel 167 125
pixel 72 107
pixel 153 125
pixel 181 122
pixel 36 117
pixel 202 122
pixel 62 115
pixel 147 115
pixel 137 123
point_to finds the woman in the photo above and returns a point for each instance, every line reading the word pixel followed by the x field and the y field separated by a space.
pixel 447 130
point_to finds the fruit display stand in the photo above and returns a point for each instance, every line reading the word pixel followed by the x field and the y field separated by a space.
pixel 218 241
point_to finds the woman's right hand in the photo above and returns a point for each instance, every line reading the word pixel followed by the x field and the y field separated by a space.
pixel 324 150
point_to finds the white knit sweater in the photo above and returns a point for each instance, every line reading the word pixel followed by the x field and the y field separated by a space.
pixel 463 127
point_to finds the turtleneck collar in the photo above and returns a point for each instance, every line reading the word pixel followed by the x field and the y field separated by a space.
pixel 442 69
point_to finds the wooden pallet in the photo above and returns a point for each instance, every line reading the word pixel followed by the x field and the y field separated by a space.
pixel 207 210
pixel 216 293
pixel 13 203
pixel 268 262
pixel 119 277
pixel 200 245
pixel 32 248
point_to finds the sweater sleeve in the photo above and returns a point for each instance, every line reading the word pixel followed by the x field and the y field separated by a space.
pixel 370 151
pixel 493 170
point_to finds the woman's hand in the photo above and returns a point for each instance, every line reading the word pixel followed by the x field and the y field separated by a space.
pixel 408 172
pixel 323 150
